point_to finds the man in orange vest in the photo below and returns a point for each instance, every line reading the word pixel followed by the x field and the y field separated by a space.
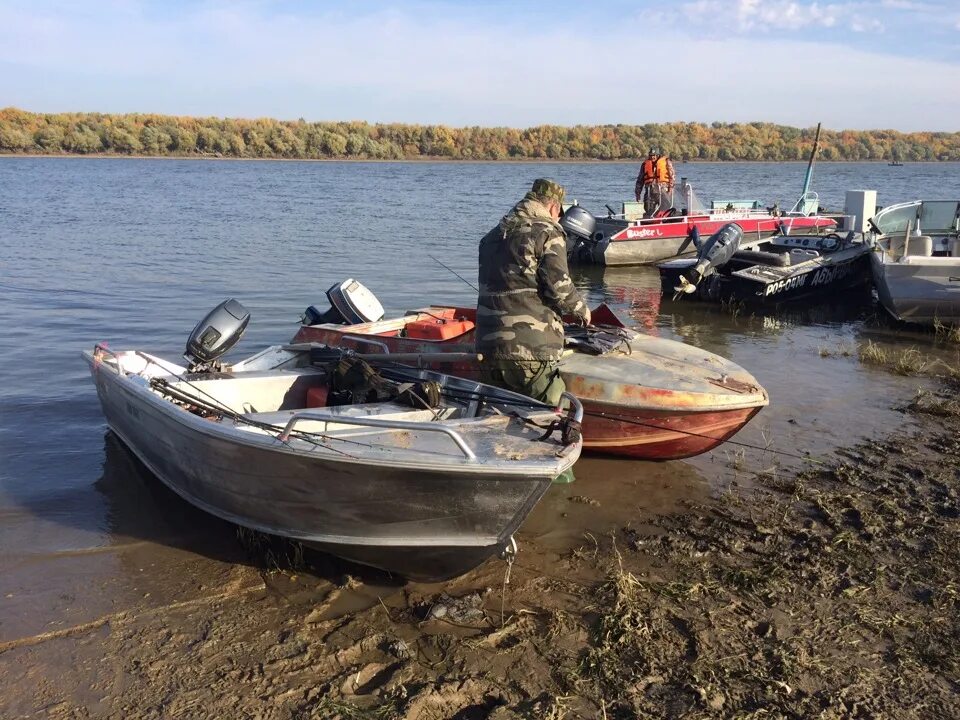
pixel 663 174
pixel 655 183
pixel 647 188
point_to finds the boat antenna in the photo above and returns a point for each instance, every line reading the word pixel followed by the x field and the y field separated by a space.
pixel 801 204
pixel 475 288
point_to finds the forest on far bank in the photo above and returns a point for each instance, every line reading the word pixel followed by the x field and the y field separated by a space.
pixel 24 132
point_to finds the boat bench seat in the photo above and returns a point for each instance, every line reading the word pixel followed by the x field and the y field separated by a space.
pixel 934 260
pixel 918 246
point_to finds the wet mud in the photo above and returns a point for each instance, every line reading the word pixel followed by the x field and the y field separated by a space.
pixel 825 590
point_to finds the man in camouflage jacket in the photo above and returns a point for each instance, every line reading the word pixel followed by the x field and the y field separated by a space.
pixel 525 287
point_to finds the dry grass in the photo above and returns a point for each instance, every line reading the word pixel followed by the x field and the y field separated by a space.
pixel 946 333
pixel 908 361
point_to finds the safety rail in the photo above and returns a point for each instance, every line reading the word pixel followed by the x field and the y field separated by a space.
pixel 575 405
pixel 100 349
pixel 808 204
pixel 379 423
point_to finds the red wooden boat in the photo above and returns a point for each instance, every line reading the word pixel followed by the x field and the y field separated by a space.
pixel 652 398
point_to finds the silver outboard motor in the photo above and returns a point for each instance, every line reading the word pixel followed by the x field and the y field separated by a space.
pixel 351 303
pixel 216 334
pixel 715 252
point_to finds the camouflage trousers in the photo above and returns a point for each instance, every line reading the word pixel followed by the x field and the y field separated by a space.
pixel 538 379
pixel 656 197
pixel 651 199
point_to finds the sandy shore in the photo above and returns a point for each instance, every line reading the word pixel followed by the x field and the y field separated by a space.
pixel 829 592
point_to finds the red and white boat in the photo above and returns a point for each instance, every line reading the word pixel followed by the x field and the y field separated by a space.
pixel 652 398
pixel 627 240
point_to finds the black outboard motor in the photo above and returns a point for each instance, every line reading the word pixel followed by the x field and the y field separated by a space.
pixel 216 334
pixel 714 252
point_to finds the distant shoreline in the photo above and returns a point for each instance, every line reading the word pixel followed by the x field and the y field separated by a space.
pixel 442 159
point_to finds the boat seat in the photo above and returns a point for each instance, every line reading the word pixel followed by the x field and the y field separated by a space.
pixel 932 261
pixel 955 247
pixel 918 246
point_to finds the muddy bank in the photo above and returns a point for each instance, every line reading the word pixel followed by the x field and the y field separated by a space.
pixel 829 592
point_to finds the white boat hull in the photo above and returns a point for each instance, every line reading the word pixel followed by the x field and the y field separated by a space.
pixel 423 515
pixel 919 291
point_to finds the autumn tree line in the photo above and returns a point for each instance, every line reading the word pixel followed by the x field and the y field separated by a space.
pixel 24 132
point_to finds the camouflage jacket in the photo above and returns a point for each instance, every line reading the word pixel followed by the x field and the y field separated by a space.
pixel 524 286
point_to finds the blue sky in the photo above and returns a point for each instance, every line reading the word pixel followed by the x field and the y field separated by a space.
pixel 879 64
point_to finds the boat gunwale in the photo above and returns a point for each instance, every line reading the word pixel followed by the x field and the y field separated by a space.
pixel 270 443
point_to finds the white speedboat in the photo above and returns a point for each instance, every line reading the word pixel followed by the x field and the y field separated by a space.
pixel 916 261
pixel 411 471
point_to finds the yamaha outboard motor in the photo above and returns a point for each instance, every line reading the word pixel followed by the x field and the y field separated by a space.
pixel 350 303
pixel 715 252
pixel 578 222
pixel 584 243
pixel 216 334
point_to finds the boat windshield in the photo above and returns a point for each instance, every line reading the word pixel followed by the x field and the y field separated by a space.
pixel 934 216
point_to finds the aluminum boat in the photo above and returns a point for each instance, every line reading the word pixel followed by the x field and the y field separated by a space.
pixel 426 482
pixel 916 261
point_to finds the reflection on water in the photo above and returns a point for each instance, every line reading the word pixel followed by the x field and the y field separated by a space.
pixel 140 507
pixel 634 290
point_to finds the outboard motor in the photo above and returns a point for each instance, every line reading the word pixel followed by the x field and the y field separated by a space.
pixel 714 253
pixel 578 222
pixel 584 243
pixel 351 303
pixel 216 334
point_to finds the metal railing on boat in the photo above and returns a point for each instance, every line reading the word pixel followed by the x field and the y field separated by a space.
pixel 379 423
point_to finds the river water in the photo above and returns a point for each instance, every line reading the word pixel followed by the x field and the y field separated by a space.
pixel 134 252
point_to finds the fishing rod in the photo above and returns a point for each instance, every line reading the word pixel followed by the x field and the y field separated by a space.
pixel 439 262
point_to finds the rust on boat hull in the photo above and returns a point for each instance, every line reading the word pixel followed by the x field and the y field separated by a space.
pixel 657 400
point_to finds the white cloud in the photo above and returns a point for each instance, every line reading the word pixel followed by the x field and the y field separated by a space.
pixel 752 16
pixel 399 65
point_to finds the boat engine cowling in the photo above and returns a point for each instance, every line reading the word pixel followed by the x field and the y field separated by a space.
pixel 715 252
pixel 578 222
pixel 350 303
pixel 216 334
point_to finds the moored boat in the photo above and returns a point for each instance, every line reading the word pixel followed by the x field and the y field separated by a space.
pixel 644 397
pixel 415 472
pixel 626 239
pixel 630 238
pixel 780 269
pixel 916 261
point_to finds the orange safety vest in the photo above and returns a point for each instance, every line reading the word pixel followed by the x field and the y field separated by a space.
pixel 648 171
pixel 662 172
